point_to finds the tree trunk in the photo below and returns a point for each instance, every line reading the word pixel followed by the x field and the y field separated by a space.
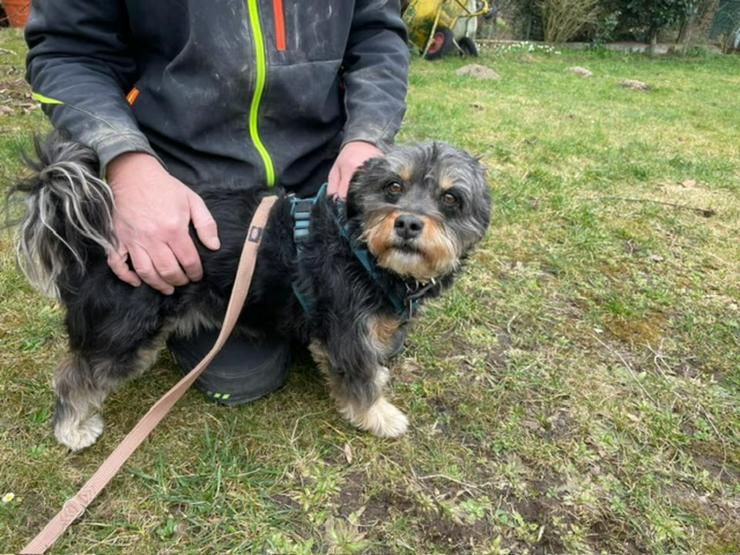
pixel 528 27
pixel 687 30
pixel 707 13
pixel 653 42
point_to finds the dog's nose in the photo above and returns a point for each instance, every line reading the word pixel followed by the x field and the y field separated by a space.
pixel 408 226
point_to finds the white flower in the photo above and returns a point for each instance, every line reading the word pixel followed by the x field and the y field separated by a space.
pixel 8 497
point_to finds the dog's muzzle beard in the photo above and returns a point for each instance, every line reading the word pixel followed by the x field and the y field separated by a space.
pixel 411 245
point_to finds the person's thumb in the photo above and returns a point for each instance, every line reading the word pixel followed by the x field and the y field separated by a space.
pixel 203 222
pixel 333 180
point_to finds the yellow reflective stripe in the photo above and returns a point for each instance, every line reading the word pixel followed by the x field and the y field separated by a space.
pixel 261 63
pixel 45 99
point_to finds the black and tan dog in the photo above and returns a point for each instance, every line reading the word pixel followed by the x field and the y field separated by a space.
pixel 414 215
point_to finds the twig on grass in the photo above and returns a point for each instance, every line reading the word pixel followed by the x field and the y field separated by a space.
pixel 509 323
pixel 466 485
pixel 659 360
pixel 294 433
pixel 419 481
pixel 628 367
pixel 6 51
pixel 706 212
pixel 701 408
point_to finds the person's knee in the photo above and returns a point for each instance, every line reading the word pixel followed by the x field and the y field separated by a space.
pixel 244 370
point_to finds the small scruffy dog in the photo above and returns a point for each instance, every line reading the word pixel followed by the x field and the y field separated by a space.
pixel 415 214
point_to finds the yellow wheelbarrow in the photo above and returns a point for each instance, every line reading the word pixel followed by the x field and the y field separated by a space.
pixel 439 27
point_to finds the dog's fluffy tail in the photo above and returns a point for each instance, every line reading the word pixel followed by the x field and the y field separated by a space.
pixel 69 212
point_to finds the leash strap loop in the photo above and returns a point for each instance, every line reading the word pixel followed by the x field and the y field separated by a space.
pixel 76 505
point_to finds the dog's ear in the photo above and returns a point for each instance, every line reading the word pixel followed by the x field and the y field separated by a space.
pixel 372 172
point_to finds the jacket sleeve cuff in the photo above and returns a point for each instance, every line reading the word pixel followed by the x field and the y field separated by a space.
pixel 368 134
pixel 110 146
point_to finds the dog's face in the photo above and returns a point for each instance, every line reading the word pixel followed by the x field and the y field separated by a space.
pixel 421 208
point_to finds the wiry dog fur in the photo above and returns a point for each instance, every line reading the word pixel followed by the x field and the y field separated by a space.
pixel 419 210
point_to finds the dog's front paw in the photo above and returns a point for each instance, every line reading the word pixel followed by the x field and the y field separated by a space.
pixel 79 435
pixel 382 375
pixel 385 420
pixel 382 419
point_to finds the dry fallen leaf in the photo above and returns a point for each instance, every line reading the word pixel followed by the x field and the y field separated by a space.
pixel 348 453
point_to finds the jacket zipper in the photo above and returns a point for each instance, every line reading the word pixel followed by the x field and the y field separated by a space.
pixel 38 97
pixel 259 87
pixel 279 14
pixel 132 96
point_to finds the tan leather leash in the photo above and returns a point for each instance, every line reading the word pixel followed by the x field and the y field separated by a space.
pixel 75 506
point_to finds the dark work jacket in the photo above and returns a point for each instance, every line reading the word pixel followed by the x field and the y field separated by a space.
pixel 244 91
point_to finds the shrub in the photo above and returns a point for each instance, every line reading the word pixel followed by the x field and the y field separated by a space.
pixel 653 16
pixel 564 19
pixel 605 28
pixel 726 25
pixel 526 15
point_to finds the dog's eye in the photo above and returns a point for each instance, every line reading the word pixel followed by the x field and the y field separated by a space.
pixel 448 199
pixel 394 189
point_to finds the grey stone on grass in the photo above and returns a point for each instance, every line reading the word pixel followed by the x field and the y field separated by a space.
pixel 635 85
pixel 478 72
pixel 582 71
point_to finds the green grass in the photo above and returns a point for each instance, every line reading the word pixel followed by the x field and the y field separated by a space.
pixel 577 392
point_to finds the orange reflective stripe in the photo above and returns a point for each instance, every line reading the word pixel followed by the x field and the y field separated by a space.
pixel 277 7
pixel 132 96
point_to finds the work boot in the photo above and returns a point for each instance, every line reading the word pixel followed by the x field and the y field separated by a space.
pixel 244 369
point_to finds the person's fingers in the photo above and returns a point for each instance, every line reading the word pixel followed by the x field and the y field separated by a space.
pixel 203 222
pixel 344 179
pixel 166 264
pixel 117 263
pixel 147 272
pixel 187 255
pixel 333 181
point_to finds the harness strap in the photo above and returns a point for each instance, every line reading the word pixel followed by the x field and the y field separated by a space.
pixel 301 210
pixel 76 506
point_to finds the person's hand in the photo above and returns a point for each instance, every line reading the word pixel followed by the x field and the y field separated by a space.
pixel 351 157
pixel 152 213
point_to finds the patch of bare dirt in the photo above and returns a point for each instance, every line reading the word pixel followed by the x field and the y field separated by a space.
pixel 497 357
pixel 352 495
pixel 606 533
pixel 718 468
pixel 378 507
pixel 285 500
pixel 460 538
